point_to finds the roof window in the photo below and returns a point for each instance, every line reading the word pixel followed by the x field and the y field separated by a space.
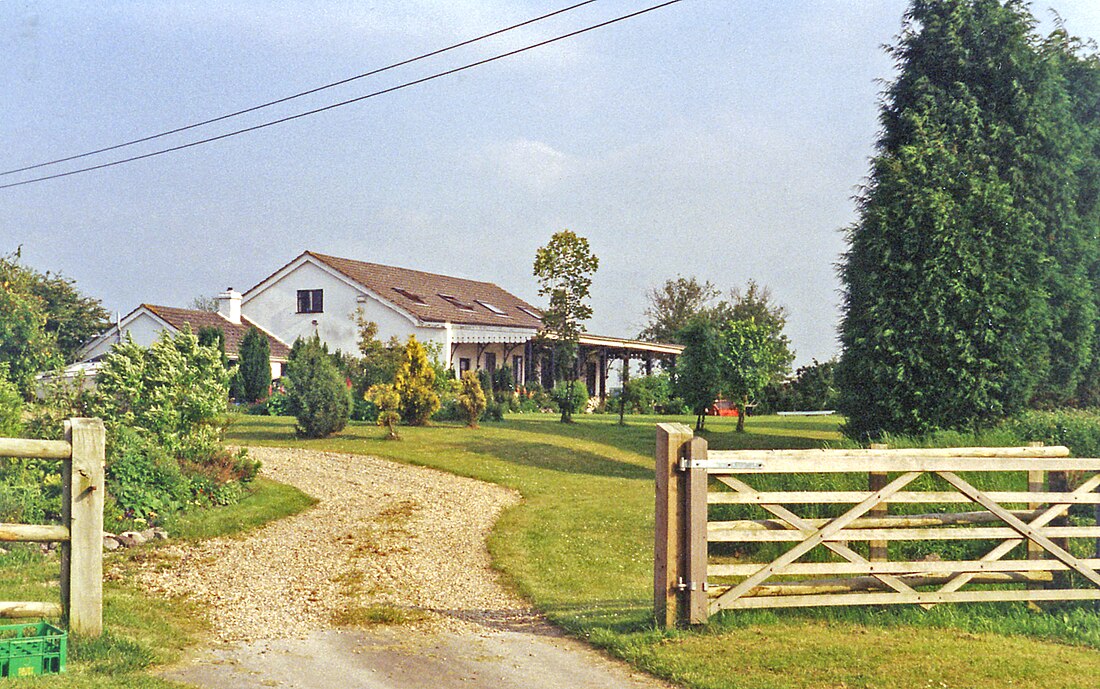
pixel 411 296
pixel 492 308
pixel 530 312
pixel 454 301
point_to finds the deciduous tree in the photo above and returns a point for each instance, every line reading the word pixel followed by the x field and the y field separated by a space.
pixel 672 305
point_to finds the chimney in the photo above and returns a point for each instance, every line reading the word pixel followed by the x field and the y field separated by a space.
pixel 229 305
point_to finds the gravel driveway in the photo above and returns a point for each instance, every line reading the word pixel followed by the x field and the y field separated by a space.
pixel 386 540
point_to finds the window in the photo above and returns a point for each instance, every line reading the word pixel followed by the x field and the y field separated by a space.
pixel 311 301
pixel 411 296
pixel 454 301
pixel 490 361
pixel 463 365
pixel 530 312
pixel 492 308
pixel 517 369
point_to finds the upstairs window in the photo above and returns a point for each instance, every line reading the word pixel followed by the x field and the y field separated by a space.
pixel 411 296
pixel 492 308
pixel 311 301
pixel 529 312
pixel 454 301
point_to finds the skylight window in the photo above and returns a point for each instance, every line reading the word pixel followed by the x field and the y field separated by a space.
pixel 492 308
pixel 530 312
pixel 411 296
pixel 454 301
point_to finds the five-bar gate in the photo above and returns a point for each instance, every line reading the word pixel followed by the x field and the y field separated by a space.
pixel 690 584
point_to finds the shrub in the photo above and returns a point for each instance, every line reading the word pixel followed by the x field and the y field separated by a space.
pixel 388 402
pixel 494 411
pixel 570 397
pixel 11 405
pixel 1077 429
pixel 278 404
pixel 414 383
pixel 471 398
pixel 145 480
pixel 254 368
pixel 317 392
pixel 363 410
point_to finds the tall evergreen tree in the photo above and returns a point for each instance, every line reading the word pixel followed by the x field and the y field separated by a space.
pixel 255 365
pixel 962 279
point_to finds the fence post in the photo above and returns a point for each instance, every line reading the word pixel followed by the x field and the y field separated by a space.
pixel 82 512
pixel 669 518
pixel 695 536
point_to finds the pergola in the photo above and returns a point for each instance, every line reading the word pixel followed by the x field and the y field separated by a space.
pixel 597 352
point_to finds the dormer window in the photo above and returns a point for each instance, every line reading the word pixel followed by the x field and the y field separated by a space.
pixel 492 308
pixel 411 296
pixel 311 301
pixel 454 301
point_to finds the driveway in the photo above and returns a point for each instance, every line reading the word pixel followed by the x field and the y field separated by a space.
pixel 291 603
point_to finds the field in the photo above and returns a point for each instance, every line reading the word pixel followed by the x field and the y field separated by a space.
pixel 580 547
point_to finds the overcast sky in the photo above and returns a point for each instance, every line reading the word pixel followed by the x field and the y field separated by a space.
pixel 714 138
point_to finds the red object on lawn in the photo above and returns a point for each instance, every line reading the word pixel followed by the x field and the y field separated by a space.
pixel 723 408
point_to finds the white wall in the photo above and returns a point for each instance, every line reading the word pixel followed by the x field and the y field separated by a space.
pixel 143 328
pixel 469 351
pixel 275 309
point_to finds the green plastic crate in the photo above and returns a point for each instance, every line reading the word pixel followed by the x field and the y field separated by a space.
pixel 32 649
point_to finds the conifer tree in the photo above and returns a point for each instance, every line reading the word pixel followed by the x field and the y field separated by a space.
pixel 415 385
pixel 966 292
pixel 255 365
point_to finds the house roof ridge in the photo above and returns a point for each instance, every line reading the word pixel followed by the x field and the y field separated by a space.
pixel 322 257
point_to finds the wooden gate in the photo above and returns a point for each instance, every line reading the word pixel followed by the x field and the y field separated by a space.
pixel 81 530
pixel 690 583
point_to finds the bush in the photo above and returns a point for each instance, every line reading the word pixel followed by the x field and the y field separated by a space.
pixel 1077 429
pixel 317 392
pixel 278 404
pixel 363 410
pixel 494 411
pixel 145 480
pixel 471 398
pixel 415 384
pixel 387 400
pixel 570 397
pixel 11 405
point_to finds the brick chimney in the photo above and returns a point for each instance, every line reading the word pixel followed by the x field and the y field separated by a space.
pixel 229 305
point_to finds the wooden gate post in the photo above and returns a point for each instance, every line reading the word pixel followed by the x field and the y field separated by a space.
pixel 877 551
pixel 82 512
pixel 669 512
pixel 695 536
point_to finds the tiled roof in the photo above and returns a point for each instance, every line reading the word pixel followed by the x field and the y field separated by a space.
pixel 438 298
pixel 234 332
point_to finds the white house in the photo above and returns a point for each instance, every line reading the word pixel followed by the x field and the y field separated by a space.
pixel 146 323
pixel 477 325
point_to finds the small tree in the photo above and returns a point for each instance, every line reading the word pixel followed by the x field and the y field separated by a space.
pixel 316 391
pixel 571 397
pixel 414 382
pixel 385 397
pixel 564 268
pixel 255 365
pixel 471 398
pixel 11 405
pixel 698 369
pixel 750 357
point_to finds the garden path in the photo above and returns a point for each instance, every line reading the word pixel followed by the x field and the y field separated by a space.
pixel 385 541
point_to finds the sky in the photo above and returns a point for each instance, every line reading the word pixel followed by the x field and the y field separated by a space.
pixel 718 139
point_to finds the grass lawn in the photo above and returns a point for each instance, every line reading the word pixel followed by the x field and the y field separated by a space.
pixel 141 633
pixel 580 547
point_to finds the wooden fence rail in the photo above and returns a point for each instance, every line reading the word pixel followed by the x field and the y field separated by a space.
pixel 81 530
pixel 689 585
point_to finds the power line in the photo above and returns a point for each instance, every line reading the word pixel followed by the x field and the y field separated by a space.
pixel 307 113
pixel 268 104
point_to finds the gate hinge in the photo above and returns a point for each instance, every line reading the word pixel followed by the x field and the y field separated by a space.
pixel 690 585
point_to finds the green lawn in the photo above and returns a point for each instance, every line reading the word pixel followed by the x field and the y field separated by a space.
pixel 580 547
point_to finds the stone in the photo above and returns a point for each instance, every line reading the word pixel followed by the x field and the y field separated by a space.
pixel 110 542
pixel 130 538
pixel 159 534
